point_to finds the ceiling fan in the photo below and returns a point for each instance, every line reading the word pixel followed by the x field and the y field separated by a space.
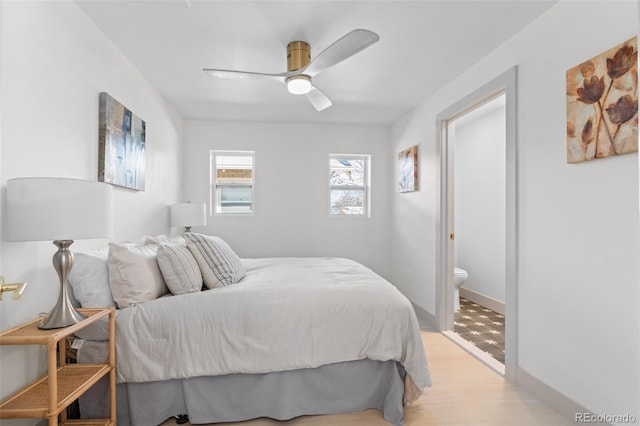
pixel 301 69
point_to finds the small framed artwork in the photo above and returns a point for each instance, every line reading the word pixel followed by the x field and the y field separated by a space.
pixel 121 145
pixel 602 105
pixel 408 170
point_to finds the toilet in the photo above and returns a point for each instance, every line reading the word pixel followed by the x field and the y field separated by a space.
pixel 459 277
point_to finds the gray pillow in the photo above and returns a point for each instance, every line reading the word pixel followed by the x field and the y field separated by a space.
pixel 89 279
pixel 219 264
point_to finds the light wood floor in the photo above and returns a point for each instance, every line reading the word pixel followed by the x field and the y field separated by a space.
pixel 464 393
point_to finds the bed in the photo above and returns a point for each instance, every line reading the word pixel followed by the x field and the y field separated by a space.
pixel 291 337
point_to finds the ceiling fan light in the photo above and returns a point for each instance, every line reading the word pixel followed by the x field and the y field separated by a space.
pixel 299 84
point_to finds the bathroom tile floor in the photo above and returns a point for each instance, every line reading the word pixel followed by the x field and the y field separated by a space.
pixel 482 327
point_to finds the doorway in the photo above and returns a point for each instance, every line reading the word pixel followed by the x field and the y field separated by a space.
pixel 503 86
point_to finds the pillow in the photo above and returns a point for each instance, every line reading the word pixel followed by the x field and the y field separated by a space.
pixel 89 279
pixel 179 269
pixel 134 275
pixel 163 239
pixel 219 264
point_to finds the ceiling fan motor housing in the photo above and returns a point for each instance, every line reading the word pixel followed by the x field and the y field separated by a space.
pixel 298 55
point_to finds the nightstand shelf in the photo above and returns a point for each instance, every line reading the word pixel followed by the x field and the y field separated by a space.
pixel 49 396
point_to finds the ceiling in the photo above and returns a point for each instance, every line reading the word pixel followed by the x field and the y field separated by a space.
pixel 423 45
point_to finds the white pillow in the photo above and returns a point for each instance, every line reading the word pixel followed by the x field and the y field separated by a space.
pixel 134 275
pixel 163 239
pixel 219 264
pixel 179 269
pixel 89 279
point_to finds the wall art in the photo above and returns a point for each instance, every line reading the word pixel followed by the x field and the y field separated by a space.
pixel 121 145
pixel 602 105
pixel 408 170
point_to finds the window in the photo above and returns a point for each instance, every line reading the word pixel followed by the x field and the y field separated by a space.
pixel 349 184
pixel 232 178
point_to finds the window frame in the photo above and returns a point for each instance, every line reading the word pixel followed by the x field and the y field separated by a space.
pixel 214 185
pixel 366 188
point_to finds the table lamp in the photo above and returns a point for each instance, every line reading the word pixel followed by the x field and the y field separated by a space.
pixel 58 209
pixel 188 215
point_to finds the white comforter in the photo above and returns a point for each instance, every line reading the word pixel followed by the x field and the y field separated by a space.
pixel 285 314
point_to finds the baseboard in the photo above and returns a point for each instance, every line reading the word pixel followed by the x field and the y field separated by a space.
pixel 426 319
pixel 565 406
pixel 481 299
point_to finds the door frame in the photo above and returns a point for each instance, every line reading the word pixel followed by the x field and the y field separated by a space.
pixel 505 83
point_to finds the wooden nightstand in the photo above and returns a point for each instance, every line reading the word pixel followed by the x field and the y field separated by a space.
pixel 49 396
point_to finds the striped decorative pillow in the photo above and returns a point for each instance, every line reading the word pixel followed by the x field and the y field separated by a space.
pixel 219 264
pixel 179 269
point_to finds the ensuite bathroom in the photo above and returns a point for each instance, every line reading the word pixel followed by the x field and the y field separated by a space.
pixel 479 163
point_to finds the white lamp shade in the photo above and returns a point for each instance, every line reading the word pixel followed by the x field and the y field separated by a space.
pixel 47 209
pixel 188 214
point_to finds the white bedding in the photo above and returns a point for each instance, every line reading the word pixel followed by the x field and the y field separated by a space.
pixel 285 314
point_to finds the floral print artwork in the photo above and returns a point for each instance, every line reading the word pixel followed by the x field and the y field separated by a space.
pixel 602 105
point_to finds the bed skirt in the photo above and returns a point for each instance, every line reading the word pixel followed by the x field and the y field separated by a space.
pixel 329 389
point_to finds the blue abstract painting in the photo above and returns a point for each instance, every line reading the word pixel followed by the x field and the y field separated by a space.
pixel 121 149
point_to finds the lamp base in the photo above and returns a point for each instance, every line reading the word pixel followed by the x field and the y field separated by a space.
pixel 63 313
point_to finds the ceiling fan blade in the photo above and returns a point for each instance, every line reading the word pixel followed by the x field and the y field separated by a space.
pixel 343 48
pixel 318 99
pixel 241 75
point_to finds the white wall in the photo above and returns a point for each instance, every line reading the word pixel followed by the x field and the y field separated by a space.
pixel 54 64
pixel 480 171
pixel 577 226
pixel 291 190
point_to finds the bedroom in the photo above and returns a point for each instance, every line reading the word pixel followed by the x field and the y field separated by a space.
pixel 54 61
